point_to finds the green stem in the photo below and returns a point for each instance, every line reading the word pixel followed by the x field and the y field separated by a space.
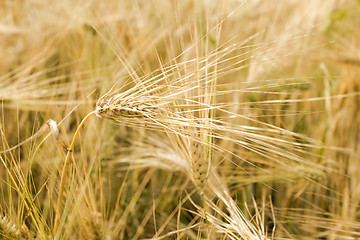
pixel 64 174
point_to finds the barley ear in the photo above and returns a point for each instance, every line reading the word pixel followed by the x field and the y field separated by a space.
pixel 200 165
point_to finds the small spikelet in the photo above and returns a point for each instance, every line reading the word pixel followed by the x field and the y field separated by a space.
pixel 8 230
pixel 92 227
pixel 56 134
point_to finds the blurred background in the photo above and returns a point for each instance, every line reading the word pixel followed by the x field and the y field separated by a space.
pixel 294 65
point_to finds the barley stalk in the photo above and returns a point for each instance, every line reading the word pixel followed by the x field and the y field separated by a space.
pixel 180 100
pixel 185 110
pixel 64 173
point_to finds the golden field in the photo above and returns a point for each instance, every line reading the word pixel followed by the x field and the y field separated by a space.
pixel 175 119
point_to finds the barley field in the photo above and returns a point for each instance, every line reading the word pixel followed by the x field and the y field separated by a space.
pixel 180 119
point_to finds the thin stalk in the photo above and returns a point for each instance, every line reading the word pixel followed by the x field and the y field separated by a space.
pixel 64 173
pixel 204 206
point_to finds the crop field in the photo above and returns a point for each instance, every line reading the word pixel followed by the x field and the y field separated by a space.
pixel 179 119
